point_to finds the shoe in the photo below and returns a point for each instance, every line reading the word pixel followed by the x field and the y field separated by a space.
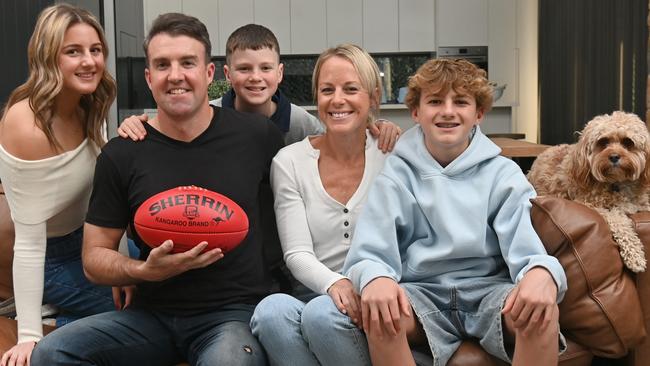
pixel 8 308
pixel 48 311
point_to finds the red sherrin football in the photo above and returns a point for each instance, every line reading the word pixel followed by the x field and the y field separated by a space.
pixel 189 215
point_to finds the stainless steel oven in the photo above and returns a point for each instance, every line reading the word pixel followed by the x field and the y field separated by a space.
pixel 477 55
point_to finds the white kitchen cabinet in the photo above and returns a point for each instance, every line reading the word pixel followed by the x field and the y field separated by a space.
pixel 153 8
pixel 344 22
pixel 503 55
pixel 129 29
pixel 231 15
pixel 417 25
pixel 380 25
pixel 274 14
pixel 207 12
pixel 461 23
pixel 308 27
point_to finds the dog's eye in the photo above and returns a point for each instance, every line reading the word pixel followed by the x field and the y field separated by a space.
pixel 627 143
pixel 602 143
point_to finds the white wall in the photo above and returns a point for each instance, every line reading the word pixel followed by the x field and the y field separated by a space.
pixel 109 30
pixel 526 115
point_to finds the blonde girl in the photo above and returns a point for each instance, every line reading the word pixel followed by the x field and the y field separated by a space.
pixel 50 135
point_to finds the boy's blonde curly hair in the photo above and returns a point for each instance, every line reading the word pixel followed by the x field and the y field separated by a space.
pixel 441 75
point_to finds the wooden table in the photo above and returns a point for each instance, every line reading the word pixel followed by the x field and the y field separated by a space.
pixel 512 148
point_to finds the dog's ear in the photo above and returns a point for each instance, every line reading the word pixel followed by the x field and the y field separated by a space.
pixel 579 167
pixel 645 176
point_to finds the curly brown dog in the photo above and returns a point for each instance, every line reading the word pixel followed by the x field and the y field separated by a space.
pixel 608 170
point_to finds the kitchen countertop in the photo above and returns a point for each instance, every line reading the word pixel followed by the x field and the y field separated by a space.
pixel 512 148
pixel 394 106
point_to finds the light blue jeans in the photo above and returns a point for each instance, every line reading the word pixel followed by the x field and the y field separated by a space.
pixel 139 337
pixel 65 284
pixel 312 333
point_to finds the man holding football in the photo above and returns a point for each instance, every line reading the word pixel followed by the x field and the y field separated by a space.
pixel 192 306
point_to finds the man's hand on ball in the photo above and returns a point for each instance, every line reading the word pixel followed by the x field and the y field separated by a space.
pixel 162 264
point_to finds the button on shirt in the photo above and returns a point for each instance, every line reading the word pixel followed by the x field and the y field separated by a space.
pixel 315 230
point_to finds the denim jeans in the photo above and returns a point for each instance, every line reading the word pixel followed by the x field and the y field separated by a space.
pixel 140 337
pixel 277 324
pixel 65 284
pixel 295 333
pixel 332 336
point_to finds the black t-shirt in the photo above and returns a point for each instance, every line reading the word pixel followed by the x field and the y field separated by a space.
pixel 232 157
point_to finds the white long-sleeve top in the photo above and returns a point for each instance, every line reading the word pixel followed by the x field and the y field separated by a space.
pixel 316 230
pixel 47 198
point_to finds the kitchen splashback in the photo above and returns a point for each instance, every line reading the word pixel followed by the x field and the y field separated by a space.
pixel 395 68
pixel 134 95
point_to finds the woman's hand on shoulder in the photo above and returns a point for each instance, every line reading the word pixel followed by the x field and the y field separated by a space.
pixel 133 127
pixel 18 355
pixel 20 136
pixel 346 299
pixel 386 133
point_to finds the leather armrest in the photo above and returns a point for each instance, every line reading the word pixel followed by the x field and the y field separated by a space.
pixel 641 354
pixel 601 308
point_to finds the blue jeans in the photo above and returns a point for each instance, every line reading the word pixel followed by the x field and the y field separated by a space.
pixel 65 284
pixel 134 251
pixel 140 337
pixel 277 324
pixel 295 333
pixel 332 336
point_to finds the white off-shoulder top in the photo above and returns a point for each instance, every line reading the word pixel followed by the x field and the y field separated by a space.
pixel 47 198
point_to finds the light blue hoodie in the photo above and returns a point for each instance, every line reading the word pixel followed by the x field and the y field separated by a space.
pixel 468 220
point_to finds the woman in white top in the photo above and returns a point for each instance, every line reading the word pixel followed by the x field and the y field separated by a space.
pixel 50 135
pixel 320 185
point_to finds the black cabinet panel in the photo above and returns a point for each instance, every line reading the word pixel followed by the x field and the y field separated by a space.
pixel 17 20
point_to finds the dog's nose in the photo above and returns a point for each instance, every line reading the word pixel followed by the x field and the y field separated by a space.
pixel 614 158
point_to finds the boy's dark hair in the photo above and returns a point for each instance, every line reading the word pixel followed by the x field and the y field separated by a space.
pixel 177 24
pixel 251 37
pixel 445 74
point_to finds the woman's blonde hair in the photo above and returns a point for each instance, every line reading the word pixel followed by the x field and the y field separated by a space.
pixel 364 65
pixel 45 80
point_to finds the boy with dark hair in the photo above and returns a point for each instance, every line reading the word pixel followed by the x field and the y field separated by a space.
pixel 254 71
pixel 193 306
pixel 446 235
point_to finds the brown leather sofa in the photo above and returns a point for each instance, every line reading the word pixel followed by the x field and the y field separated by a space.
pixel 606 310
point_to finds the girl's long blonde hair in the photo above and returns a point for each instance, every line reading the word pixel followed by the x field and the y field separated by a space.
pixel 45 80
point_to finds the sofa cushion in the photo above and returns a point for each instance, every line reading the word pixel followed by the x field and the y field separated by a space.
pixel 601 308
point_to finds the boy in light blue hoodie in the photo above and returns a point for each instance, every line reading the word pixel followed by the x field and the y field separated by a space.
pixel 446 236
